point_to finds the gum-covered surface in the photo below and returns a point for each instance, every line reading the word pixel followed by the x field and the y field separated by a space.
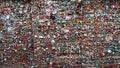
pixel 60 34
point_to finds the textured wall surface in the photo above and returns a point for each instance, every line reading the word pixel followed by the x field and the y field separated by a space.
pixel 60 34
